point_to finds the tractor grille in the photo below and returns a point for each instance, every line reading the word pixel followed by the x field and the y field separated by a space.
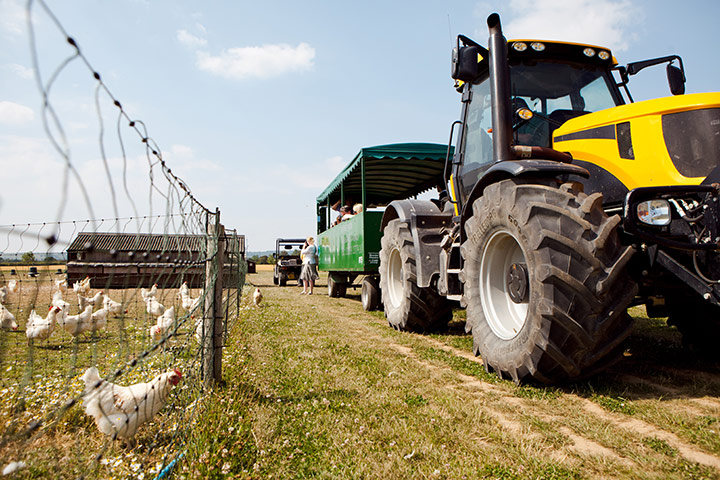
pixel 692 139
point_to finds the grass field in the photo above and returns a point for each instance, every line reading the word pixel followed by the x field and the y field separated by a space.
pixel 314 387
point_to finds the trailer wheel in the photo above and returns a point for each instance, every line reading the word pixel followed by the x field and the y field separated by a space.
pixel 336 289
pixel 370 293
pixel 407 306
pixel 545 282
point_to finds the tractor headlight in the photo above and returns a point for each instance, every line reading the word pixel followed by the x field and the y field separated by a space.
pixel 654 212
pixel 520 46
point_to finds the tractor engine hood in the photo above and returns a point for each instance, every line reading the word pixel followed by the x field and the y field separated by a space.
pixel 672 141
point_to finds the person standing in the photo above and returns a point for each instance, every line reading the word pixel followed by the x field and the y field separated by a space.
pixel 309 274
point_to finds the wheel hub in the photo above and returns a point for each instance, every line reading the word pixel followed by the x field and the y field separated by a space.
pixel 517 282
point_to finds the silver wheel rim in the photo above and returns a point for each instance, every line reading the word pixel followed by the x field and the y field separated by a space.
pixel 395 280
pixel 505 317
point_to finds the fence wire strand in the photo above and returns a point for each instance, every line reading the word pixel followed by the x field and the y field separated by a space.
pixel 107 322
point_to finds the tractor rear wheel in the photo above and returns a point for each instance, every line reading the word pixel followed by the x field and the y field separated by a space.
pixel 545 282
pixel 407 306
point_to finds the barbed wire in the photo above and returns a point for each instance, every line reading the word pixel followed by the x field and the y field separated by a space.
pixel 112 345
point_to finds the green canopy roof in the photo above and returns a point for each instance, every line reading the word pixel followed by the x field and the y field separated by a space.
pixel 392 172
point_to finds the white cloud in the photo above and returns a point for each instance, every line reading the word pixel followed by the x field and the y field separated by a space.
pixel 12 113
pixel 20 70
pixel 182 158
pixel 260 62
pixel 12 20
pixel 190 40
pixel 335 164
pixel 607 23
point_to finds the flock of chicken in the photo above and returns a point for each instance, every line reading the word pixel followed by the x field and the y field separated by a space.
pixel 118 410
pixel 90 320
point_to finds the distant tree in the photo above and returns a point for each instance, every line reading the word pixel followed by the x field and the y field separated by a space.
pixel 28 257
pixel 50 259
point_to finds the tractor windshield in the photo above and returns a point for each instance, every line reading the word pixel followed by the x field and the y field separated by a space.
pixel 557 92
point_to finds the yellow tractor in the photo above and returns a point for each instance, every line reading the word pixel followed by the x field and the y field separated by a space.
pixel 568 203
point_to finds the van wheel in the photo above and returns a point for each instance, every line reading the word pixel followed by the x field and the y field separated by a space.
pixel 407 306
pixel 545 282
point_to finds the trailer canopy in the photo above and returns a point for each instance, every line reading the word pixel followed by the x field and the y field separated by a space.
pixel 391 172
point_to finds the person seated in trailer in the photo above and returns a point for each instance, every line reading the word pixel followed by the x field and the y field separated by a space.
pixel 348 213
pixel 357 208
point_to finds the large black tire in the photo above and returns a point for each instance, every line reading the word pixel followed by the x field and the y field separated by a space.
pixel 336 289
pixel 407 306
pixel 370 293
pixel 283 280
pixel 545 282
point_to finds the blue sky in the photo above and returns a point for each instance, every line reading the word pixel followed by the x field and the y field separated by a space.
pixel 257 105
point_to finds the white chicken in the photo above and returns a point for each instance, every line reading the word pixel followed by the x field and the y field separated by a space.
pixel 57 301
pixel 199 329
pixel 145 293
pixel 77 324
pixel 119 411
pixel 154 307
pixel 7 319
pixel 82 287
pixel 164 322
pixel 11 287
pixel 39 328
pixel 99 319
pixel 257 297
pixel 85 301
pixel 111 305
pixel 61 285
pixel 188 303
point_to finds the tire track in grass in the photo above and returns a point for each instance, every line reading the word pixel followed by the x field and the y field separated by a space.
pixel 644 429
pixel 580 446
pixel 572 454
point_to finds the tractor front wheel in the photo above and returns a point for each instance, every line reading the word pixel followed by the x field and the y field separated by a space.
pixel 545 282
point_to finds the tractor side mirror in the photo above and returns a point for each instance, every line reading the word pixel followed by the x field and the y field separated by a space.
pixel 676 80
pixel 465 65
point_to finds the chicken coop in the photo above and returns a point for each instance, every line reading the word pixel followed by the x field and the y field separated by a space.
pixel 134 260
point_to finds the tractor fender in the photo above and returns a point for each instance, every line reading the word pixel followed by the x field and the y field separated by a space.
pixel 427 224
pixel 517 168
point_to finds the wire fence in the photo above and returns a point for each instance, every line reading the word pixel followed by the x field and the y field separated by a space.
pixel 111 329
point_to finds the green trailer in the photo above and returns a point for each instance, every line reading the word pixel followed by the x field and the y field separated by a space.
pixel 374 178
